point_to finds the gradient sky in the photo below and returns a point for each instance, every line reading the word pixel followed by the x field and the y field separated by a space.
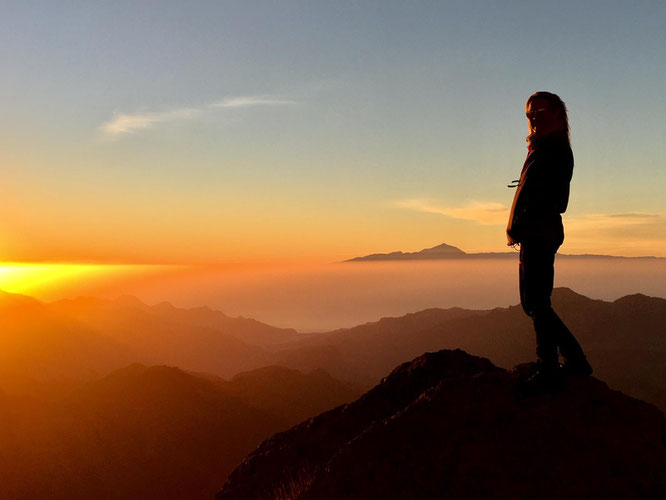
pixel 224 131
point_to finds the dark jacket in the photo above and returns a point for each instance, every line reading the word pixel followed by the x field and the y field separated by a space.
pixel 543 192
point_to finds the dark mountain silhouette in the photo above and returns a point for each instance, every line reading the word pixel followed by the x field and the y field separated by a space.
pixel 624 341
pixel 289 394
pixel 150 432
pixel 366 352
pixel 444 251
pixel 451 425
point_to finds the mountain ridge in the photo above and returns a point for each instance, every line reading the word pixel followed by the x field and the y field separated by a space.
pixel 451 425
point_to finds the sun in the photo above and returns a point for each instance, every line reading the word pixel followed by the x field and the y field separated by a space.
pixel 28 278
pixel 50 281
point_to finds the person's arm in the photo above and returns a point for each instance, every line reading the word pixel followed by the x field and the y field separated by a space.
pixel 518 216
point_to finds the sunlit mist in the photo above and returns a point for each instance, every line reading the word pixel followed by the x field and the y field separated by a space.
pixel 315 297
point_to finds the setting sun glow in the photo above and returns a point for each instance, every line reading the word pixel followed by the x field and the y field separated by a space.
pixel 41 278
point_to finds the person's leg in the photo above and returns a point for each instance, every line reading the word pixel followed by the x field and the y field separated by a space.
pixel 536 273
pixel 569 346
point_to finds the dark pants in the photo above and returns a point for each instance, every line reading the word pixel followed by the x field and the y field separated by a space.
pixel 536 271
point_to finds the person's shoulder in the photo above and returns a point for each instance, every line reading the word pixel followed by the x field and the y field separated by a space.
pixel 562 149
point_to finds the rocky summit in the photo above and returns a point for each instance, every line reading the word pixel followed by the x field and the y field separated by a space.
pixel 452 425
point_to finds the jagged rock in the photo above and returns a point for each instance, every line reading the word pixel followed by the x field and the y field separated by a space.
pixel 451 425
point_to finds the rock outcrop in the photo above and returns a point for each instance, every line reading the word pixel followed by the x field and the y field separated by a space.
pixel 451 425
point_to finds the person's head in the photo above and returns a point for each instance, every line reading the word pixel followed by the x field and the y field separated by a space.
pixel 547 114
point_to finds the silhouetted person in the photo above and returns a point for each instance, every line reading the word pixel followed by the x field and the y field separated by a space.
pixel 542 194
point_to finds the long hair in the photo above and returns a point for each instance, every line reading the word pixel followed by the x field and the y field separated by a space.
pixel 557 103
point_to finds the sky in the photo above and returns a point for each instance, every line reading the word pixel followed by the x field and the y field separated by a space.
pixel 207 132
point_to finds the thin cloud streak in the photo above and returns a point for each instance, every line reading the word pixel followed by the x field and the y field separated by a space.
pixel 635 223
pixel 637 233
pixel 485 213
pixel 630 233
pixel 244 102
pixel 128 123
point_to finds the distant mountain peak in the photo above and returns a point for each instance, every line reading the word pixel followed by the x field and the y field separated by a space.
pixel 443 248
pixel 440 251
pixel 565 292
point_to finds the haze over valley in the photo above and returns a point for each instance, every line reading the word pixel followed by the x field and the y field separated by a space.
pixel 320 297
pixel 79 413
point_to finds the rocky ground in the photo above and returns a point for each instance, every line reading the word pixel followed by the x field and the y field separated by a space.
pixel 452 425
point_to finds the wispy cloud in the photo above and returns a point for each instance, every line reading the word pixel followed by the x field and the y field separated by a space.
pixel 486 213
pixel 244 102
pixel 622 233
pixel 634 233
pixel 127 123
pixel 632 224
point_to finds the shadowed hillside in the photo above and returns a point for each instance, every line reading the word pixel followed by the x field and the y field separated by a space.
pixel 149 432
pixel 289 394
pixel 451 425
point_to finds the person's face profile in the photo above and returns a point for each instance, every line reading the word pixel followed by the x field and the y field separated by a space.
pixel 542 118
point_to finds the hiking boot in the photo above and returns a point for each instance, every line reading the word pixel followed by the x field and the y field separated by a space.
pixel 577 368
pixel 543 380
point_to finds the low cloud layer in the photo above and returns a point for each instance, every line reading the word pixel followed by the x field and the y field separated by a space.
pixel 486 213
pixel 633 233
pixel 629 233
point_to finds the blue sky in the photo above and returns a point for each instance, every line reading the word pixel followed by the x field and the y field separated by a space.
pixel 215 131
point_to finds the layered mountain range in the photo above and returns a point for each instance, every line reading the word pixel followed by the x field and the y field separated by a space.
pixel 97 336
pixel 79 418
pixel 623 339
